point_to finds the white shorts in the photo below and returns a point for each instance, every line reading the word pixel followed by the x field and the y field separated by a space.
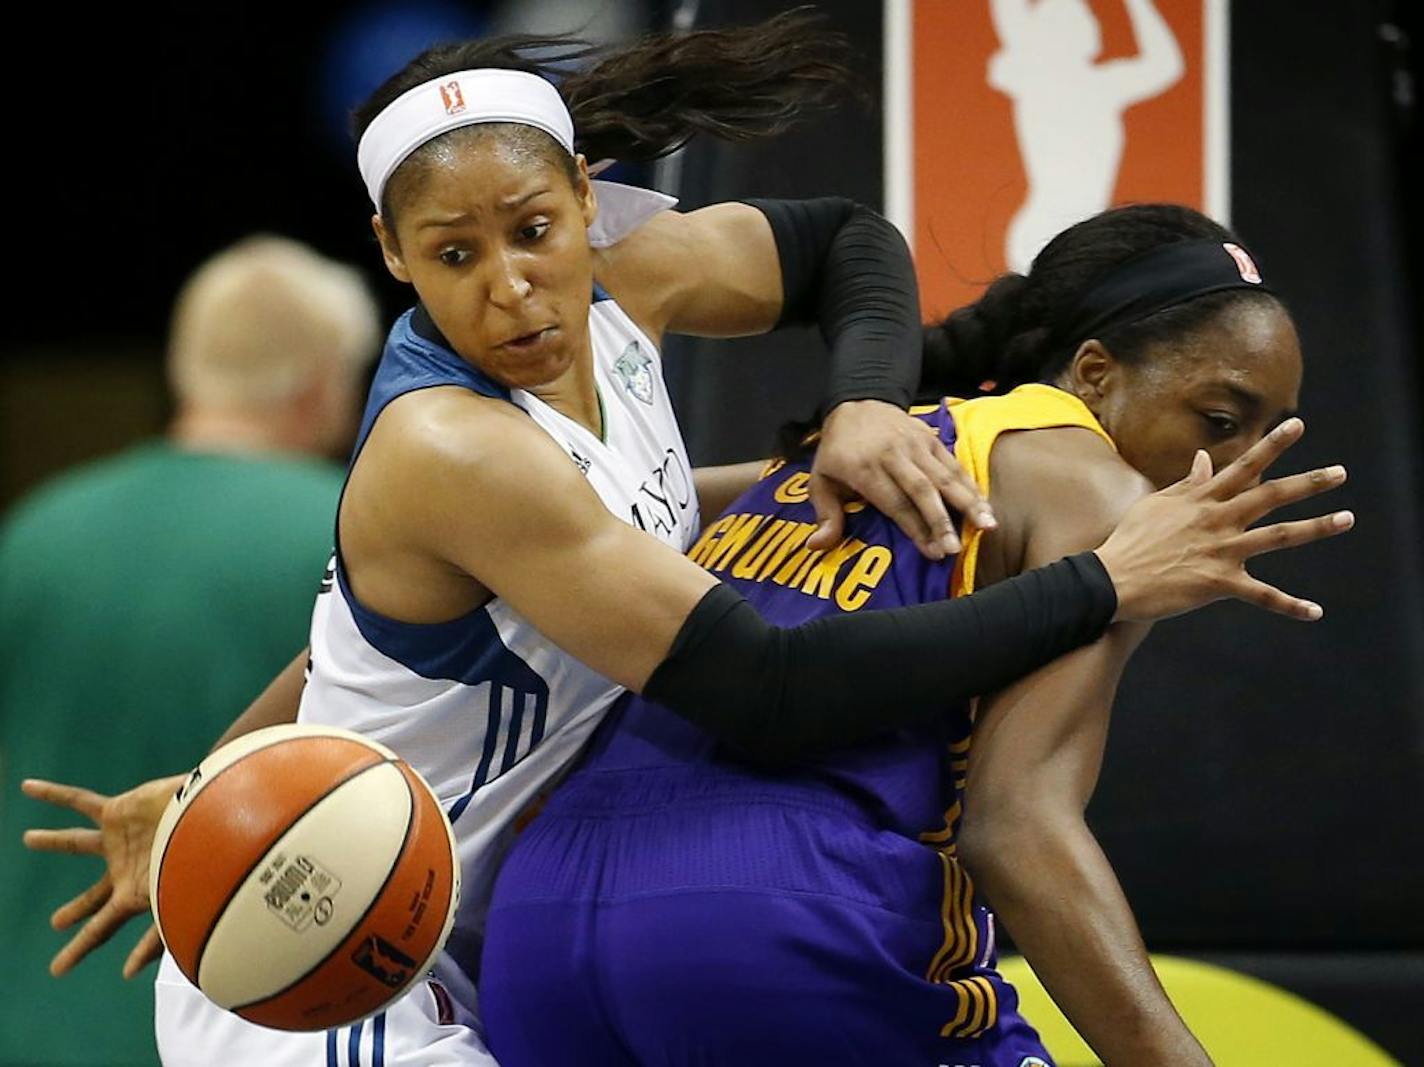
pixel 428 1027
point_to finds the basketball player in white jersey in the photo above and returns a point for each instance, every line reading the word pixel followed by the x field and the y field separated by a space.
pixel 495 585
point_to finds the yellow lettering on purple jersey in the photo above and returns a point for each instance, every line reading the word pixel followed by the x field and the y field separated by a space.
pixel 821 581
pixel 795 489
pixel 793 541
pixel 796 567
pixel 708 540
pixel 751 560
pixel 870 566
pixel 734 540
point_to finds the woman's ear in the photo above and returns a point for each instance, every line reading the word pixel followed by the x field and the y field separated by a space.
pixel 583 191
pixel 390 250
pixel 1093 374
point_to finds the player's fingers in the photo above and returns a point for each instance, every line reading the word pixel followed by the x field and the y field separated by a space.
pixel 84 905
pixel 78 840
pixel 148 949
pixel 1201 471
pixel 1195 478
pixel 1246 469
pixel 957 488
pixel 91 935
pixel 924 495
pixel 1278 492
pixel 84 801
pixel 1292 534
pixel 886 496
pixel 1262 595
pixel 827 497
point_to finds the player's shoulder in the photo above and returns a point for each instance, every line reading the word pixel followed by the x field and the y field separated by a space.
pixel 672 238
pixel 449 425
pixel 673 256
pixel 644 268
pixel 435 450
pixel 1065 468
pixel 645 249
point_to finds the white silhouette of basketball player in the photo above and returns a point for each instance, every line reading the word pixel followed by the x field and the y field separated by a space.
pixel 1068 107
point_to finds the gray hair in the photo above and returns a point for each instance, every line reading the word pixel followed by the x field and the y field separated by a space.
pixel 256 323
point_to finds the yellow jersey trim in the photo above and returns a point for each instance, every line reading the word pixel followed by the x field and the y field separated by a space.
pixel 979 423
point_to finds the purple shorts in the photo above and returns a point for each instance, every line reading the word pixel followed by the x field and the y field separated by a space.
pixel 642 920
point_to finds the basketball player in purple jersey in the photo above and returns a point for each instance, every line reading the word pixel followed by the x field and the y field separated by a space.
pixel 673 906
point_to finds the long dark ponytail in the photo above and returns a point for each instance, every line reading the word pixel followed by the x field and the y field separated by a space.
pixel 644 99
pixel 1010 334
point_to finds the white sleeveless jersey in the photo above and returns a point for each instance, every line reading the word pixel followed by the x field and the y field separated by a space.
pixel 485 707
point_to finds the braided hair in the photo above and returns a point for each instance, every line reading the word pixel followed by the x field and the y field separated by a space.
pixel 1010 335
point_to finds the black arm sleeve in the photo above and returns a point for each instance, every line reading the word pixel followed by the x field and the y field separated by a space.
pixel 848 270
pixel 775 694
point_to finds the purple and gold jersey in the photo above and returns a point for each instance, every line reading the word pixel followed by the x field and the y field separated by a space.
pixel 910 783
pixel 658 813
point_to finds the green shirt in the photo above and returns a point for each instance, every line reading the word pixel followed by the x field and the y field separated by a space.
pixel 144 601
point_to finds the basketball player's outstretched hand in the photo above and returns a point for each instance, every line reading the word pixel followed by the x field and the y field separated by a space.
pixel 897 464
pixel 1188 544
pixel 122 835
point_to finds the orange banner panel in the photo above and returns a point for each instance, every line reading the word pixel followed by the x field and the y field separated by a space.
pixel 1032 114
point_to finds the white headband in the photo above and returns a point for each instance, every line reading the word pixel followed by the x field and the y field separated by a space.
pixel 468 97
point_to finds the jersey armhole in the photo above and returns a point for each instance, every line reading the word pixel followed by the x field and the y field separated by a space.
pixel 609 305
pixel 980 423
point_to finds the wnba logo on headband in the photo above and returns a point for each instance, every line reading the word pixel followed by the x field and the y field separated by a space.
pixel 1244 263
pixel 411 120
pixel 452 98
pixel 1157 279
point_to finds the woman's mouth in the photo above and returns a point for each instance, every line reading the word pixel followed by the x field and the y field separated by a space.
pixel 530 342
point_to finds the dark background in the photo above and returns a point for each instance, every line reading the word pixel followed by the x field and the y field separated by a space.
pixel 1264 780
pixel 1264 786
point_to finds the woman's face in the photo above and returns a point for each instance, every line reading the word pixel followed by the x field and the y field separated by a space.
pixel 1220 389
pixel 494 237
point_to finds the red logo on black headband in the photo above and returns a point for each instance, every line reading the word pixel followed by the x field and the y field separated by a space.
pixel 455 100
pixel 1244 263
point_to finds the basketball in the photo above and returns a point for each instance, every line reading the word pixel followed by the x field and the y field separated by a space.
pixel 304 877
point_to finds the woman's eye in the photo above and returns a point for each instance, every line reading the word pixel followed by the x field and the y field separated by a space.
pixel 454 257
pixel 533 231
pixel 1222 425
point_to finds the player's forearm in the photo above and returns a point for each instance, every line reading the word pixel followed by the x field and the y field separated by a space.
pixel 1047 879
pixel 276 705
pixel 846 269
pixel 717 487
pixel 775 694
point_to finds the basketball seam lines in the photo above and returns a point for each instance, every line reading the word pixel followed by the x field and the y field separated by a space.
pixel 375 899
pixel 240 882
pixel 179 821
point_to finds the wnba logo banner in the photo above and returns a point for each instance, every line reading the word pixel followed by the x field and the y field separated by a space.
pixel 1007 120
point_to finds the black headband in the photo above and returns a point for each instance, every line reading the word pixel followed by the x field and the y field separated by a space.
pixel 1161 278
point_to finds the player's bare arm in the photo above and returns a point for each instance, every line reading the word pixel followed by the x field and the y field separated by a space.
pixel 717 487
pixel 1035 759
pixel 468 499
pixel 1179 548
pixel 1038 744
pixel 715 272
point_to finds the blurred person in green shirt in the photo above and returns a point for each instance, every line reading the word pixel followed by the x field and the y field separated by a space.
pixel 146 598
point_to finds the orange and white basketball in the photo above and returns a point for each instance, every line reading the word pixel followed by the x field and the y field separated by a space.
pixel 303 877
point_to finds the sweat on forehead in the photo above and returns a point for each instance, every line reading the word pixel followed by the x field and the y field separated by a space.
pixel 1248 342
pixel 1241 327
pixel 518 146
